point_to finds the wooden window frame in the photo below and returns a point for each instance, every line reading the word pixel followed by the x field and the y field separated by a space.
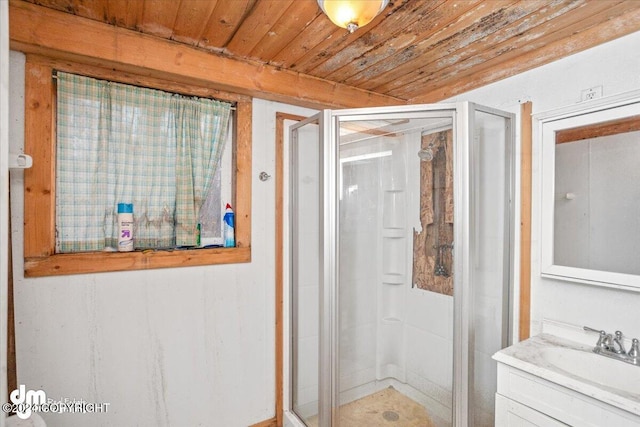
pixel 598 130
pixel 40 258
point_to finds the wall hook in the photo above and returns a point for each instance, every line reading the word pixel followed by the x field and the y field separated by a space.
pixel 264 176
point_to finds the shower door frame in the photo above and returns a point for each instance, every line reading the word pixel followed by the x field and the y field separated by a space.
pixel 464 170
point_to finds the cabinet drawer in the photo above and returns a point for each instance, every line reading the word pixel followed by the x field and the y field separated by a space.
pixel 560 403
pixel 510 413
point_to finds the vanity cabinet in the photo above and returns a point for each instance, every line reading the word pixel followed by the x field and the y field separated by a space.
pixel 524 399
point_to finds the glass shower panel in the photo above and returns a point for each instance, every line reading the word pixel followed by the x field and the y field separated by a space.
pixel 490 239
pixel 400 264
pixel 305 176
pixel 395 344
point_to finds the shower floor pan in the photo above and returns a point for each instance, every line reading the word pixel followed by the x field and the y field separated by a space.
pixel 387 407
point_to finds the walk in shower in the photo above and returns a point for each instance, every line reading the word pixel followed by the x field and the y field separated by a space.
pixel 400 265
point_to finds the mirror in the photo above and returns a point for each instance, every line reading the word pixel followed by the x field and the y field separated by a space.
pixel 591 193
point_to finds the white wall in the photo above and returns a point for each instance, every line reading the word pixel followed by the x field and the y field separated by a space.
pixel 180 347
pixel 616 67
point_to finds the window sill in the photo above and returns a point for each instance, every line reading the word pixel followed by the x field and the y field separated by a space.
pixel 97 262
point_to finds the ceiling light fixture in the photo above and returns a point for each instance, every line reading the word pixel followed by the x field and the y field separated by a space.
pixel 352 14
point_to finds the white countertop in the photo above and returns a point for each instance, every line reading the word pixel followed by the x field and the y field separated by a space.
pixel 529 356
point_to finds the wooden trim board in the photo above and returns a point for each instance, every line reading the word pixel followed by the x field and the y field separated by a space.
pixel 526 143
pixel 597 130
pixel 41 30
pixel 271 422
pixel 280 118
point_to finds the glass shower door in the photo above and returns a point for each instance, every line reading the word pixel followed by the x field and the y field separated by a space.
pixel 492 160
pixel 401 229
pixel 306 259
pixel 395 311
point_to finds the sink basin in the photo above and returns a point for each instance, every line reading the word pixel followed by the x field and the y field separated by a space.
pixel 595 368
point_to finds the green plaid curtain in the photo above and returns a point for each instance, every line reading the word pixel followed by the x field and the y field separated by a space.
pixel 197 120
pixel 118 143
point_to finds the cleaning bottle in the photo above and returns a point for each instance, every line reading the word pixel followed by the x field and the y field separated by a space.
pixel 229 228
pixel 125 227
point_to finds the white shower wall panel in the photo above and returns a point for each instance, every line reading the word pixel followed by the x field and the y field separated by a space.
pixel 429 344
pixel 359 219
pixel 431 312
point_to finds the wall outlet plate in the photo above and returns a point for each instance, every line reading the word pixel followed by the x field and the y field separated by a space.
pixel 591 93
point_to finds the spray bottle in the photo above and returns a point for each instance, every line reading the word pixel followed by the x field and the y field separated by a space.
pixel 229 228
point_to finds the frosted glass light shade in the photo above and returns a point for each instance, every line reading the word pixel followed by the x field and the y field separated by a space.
pixel 352 14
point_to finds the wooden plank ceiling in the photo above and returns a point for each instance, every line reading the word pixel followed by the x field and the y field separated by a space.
pixel 416 50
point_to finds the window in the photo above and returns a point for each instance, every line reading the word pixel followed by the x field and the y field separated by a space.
pixel 157 150
pixel 48 250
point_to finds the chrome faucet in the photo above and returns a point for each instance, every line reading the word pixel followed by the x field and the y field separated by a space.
pixel 613 346
pixel 618 344
pixel 634 353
